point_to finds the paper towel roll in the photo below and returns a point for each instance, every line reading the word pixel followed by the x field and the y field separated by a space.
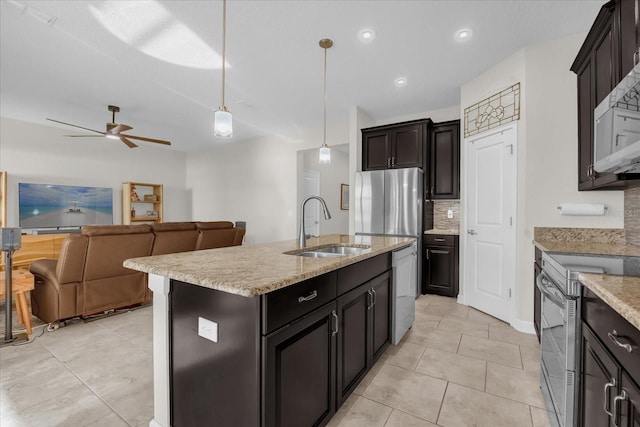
pixel 582 209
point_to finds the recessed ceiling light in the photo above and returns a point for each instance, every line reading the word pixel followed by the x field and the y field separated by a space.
pixel 463 35
pixel 400 81
pixel 367 35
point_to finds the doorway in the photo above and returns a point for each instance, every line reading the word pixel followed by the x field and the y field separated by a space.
pixel 490 220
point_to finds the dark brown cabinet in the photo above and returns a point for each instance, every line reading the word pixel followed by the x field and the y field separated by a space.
pixel 440 274
pixel 607 51
pixel 394 146
pixel 363 335
pixel 537 269
pixel 300 371
pixel 444 161
pixel 610 368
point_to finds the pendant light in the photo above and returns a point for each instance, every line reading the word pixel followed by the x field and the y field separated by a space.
pixel 222 122
pixel 325 152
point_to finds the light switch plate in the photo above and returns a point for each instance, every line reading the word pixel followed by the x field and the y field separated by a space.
pixel 207 329
pixel 450 213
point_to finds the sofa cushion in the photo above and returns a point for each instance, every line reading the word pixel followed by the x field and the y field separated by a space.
pixel 108 230
pixel 174 237
pixel 216 234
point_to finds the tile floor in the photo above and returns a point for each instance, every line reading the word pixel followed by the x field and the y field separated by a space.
pixel 456 367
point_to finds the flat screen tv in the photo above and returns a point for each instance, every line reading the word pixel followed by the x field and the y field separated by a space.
pixel 59 206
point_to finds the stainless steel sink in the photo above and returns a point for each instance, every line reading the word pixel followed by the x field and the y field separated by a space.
pixel 329 251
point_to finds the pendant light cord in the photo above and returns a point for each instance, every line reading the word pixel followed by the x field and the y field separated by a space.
pixel 325 98
pixel 224 44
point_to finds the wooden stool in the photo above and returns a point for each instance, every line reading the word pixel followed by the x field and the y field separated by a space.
pixel 21 283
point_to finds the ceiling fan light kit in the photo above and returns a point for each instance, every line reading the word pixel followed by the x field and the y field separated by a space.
pixel 222 120
pixel 324 155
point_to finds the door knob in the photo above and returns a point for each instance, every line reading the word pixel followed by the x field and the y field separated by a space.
pixel 472 232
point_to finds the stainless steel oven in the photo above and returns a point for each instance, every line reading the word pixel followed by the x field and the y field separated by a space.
pixel 560 328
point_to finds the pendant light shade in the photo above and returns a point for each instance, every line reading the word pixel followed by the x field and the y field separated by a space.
pixel 223 121
pixel 324 157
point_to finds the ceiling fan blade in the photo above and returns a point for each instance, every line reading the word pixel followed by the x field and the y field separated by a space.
pixel 119 128
pixel 126 141
pixel 141 138
pixel 76 126
pixel 86 136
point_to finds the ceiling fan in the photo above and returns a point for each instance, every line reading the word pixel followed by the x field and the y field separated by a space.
pixel 114 131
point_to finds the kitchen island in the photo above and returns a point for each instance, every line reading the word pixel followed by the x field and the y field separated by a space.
pixel 256 335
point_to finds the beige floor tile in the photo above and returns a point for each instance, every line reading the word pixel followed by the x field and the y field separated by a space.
pixel 405 355
pixel 540 417
pixel 479 315
pixel 20 360
pixel 111 420
pixel 453 367
pixel 434 338
pixel 401 419
pixel 370 376
pixel 343 411
pixel 530 359
pixel 74 340
pixel 476 328
pixel 363 413
pixel 463 406
pixel 422 301
pixel 509 335
pixel 423 315
pixel 491 351
pixel 134 402
pixel 448 310
pixel 440 300
pixel 411 392
pixel 515 384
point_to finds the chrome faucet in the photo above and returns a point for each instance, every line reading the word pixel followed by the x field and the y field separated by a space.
pixel 302 238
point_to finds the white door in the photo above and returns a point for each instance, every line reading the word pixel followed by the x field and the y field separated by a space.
pixel 312 211
pixel 490 240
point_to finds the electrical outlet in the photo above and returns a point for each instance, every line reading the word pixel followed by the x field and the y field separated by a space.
pixel 208 329
pixel 450 213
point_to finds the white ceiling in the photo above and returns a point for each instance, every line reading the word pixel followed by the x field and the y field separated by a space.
pixel 159 60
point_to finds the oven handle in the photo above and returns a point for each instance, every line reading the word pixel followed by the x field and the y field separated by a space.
pixel 548 289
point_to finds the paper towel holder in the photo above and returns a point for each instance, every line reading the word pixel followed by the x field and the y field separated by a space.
pixel 606 209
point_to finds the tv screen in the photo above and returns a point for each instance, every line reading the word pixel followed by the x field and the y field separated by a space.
pixel 55 206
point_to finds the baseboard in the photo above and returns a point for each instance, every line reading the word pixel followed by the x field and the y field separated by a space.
pixel 523 326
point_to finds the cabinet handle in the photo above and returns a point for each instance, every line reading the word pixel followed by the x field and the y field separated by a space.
pixel 617 399
pixel 428 250
pixel 436 251
pixel 369 300
pixel 309 297
pixel 375 297
pixel 393 161
pixel 605 403
pixel 437 239
pixel 636 57
pixel 613 336
pixel 335 324
pixel 433 191
pixel 388 162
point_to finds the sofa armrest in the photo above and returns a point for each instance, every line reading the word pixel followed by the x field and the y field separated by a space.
pixel 45 268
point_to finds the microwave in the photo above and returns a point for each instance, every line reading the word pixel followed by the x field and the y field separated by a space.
pixel 617 128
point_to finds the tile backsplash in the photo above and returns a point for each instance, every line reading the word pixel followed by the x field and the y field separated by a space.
pixel 440 209
pixel 632 215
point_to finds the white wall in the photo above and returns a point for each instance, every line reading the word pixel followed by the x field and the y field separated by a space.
pixel 331 178
pixel 42 154
pixel 254 181
pixel 547 151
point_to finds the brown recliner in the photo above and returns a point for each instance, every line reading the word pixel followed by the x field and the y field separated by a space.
pixel 57 282
pixel 174 237
pixel 218 234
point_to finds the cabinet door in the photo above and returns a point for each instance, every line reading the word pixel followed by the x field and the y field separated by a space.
pixel 299 371
pixel 353 340
pixel 585 125
pixel 628 15
pixel 406 148
pixel 605 68
pixel 440 270
pixel 444 144
pixel 599 382
pixel 630 407
pixel 380 312
pixel 376 150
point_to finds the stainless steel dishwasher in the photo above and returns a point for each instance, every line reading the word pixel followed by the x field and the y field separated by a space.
pixel 405 280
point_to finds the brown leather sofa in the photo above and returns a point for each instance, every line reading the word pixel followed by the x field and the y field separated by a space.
pixel 88 278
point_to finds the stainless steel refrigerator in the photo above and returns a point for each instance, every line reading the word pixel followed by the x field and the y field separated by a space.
pixel 389 203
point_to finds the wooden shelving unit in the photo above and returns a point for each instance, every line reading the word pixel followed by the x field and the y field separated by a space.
pixel 141 202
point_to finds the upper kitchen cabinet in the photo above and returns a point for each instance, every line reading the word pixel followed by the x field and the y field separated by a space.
pixel 394 146
pixel 607 54
pixel 444 161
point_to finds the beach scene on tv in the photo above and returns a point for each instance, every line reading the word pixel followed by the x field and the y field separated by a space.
pixel 53 206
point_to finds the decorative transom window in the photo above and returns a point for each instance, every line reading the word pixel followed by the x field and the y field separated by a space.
pixel 496 110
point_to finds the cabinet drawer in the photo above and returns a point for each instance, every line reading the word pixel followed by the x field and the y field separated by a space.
pixel 286 305
pixel 604 320
pixel 356 274
pixel 439 240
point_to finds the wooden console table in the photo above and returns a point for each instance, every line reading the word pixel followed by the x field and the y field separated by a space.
pixel 21 283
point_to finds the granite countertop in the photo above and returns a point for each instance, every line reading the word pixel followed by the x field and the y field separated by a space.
pixel 596 248
pixel 622 293
pixel 444 231
pixel 254 270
